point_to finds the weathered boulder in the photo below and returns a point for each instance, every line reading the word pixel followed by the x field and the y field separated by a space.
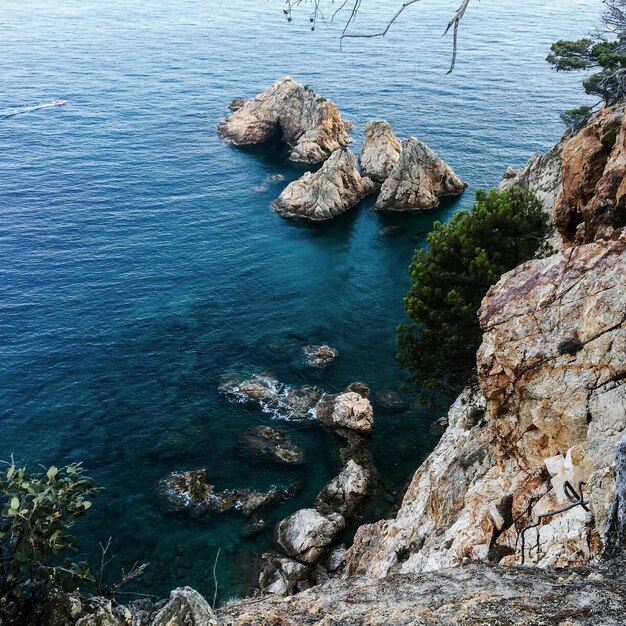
pixel 332 190
pixel 310 124
pixel 190 491
pixel 552 368
pixel 236 104
pixel 418 181
pixel 348 411
pixel 306 535
pixel 319 356
pixel 592 203
pixel 265 443
pixel 381 151
pixel 346 492
pixel 282 576
pixel 358 387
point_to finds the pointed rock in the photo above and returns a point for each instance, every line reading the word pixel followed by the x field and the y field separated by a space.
pixel 418 181
pixel 310 124
pixel 381 151
pixel 327 193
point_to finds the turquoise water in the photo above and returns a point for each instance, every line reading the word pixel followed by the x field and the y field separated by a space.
pixel 140 261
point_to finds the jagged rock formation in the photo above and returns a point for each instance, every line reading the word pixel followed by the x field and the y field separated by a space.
pixel 381 151
pixel 310 124
pixel 332 190
pixel 418 181
pixel 552 368
pixel 592 203
pixel 472 595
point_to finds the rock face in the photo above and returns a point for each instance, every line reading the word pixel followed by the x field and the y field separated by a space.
pixel 186 607
pixel 542 175
pixel 347 411
pixel 307 534
pixel 418 181
pixel 381 151
pixel 592 203
pixel 552 368
pixel 271 444
pixel 332 190
pixel 310 124
pixel 472 595
pixel 282 576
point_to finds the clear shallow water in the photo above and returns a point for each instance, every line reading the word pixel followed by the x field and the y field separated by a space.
pixel 140 260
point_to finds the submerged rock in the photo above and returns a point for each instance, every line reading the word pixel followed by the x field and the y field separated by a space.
pixel 347 411
pixel 271 444
pixel 319 356
pixel 310 124
pixel 358 387
pixel 190 490
pixel 391 401
pixel 381 151
pixel 273 397
pixel 332 190
pixel 306 535
pixel 418 181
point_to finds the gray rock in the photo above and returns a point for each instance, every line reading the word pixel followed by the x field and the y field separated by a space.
pixel 282 576
pixel 381 151
pixel 310 124
pixel 319 356
pixel 418 181
pixel 323 195
pixel 306 535
pixel 347 411
pixel 185 607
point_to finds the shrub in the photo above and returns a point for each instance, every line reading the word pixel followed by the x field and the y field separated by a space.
pixel 402 554
pixel 36 515
pixel 449 279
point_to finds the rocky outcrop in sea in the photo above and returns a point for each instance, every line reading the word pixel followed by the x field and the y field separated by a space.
pixel 323 195
pixel 381 151
pixel 308 123
pixel 418 181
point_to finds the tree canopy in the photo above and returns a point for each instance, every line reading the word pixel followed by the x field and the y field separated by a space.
pixel 450 278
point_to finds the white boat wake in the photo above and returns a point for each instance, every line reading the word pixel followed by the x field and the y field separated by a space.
pixel 30 109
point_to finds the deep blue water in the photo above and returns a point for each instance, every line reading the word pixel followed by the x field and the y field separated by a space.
pixel 140 260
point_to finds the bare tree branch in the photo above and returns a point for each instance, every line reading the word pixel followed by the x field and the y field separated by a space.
pixel 455 21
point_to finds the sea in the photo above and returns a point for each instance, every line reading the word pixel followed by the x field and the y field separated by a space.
pixel 141 263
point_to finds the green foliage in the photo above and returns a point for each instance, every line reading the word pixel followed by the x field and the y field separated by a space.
pixel 449 279
pixel 575 119
pixel 609 57
pixel 402 554
pixel 37 512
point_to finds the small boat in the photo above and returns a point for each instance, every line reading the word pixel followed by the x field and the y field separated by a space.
pixel 60 103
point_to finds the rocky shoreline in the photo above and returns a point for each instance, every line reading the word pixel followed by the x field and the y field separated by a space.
pixel 525 470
